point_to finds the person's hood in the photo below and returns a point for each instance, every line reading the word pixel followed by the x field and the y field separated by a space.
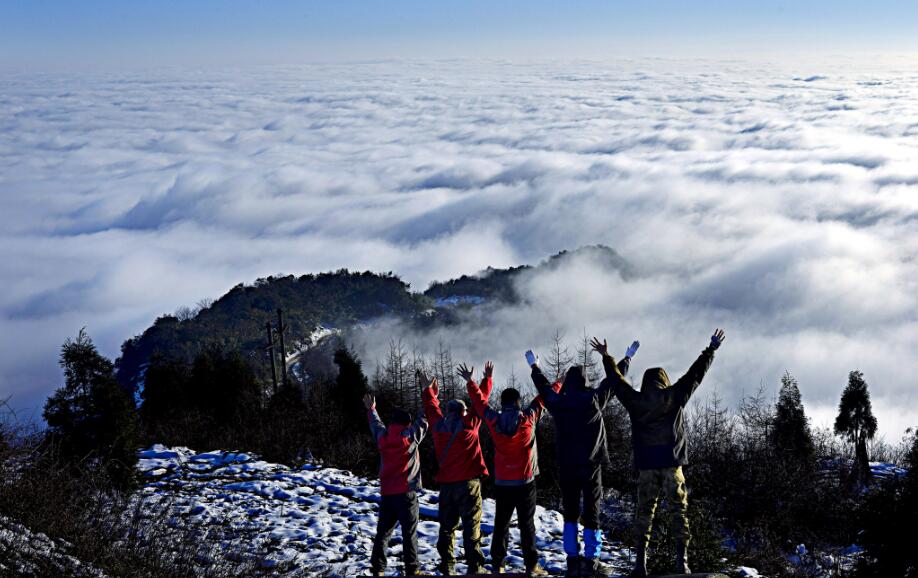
pixel 655 379
pixel 509 420
pixel 574 380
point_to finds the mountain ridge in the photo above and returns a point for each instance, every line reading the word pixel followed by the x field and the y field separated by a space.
pixel 341 299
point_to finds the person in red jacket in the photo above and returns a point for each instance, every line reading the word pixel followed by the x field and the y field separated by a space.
pixel 458 451
pixel 516 465
pixel 399 480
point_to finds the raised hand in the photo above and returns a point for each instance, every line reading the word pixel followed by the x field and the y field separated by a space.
pixel 369 401
pixel 532 358
pixel 425 380
pixel 601 348
pixel 465 372
pixel 489 369
pixel 633 349
pixel 717 338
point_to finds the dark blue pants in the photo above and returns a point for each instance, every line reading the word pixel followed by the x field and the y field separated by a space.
pixel 397 509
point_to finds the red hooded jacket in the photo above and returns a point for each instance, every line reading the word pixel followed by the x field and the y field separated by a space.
pixel 516 456
pixel 400 465
pixel 455 441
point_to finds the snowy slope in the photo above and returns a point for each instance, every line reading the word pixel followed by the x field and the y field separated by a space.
pixel 27 553
pixel 311 520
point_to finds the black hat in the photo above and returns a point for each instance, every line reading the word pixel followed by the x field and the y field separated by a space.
pixel 510 397
pixel 401 416
pixel 456 406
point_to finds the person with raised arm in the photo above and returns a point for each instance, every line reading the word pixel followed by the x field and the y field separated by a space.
pixel 660 450
pixel 399 481
pixel 461 465
pixel 516 465
pixel 581 438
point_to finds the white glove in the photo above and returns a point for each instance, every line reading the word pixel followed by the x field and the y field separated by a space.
pixel 531 358
pixel 633 349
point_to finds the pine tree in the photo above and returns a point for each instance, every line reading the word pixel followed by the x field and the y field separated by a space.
pixel 559 358
pixel 885 510
pixel 397 373
pixel 287 424
pixel 445 371
pixel 856 422
pixel 350 387
pixel 512 381
pixel 712 427
pixel 225 390
pixel 393 379
pixel 91 418
pixel 591 368
pixel 791 434
pixel 165 401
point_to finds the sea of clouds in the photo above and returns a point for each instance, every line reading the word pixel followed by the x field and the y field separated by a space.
pixel 779 201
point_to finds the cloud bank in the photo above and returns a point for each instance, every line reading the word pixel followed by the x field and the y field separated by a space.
pixel 778 201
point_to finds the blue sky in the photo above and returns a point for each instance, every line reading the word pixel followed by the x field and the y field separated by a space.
pixel 45 34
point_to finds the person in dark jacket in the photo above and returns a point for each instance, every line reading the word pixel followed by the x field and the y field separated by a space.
pixel 399 480
pixel 660 451
pixel 516 465
pixel 458 451
pixel 581 438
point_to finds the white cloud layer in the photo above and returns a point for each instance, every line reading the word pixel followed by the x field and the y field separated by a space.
pixel 778 201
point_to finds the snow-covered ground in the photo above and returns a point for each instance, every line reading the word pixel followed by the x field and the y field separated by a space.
pixel 311 520
pixel 883 470
pixel 302 345
pixel 318 520
pixel 27 553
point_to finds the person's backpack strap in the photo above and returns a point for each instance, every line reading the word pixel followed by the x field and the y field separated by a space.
pixel 445 451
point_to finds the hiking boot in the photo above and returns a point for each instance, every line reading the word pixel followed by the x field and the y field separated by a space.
pixel 573 567
pixel 640 562
pixel 446 569
pixel 682 566
pixel 476 569
pixel 537 570
pixel 497 566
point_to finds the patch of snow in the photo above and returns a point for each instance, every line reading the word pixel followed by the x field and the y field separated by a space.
pixel 879 470
pixel 852 549
pixel 311 340
pixel 311 519
pixel 456 300
pixel 883 470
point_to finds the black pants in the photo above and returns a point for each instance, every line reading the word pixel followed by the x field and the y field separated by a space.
pixel 577 483
pixel 523 500
pixel 401 509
